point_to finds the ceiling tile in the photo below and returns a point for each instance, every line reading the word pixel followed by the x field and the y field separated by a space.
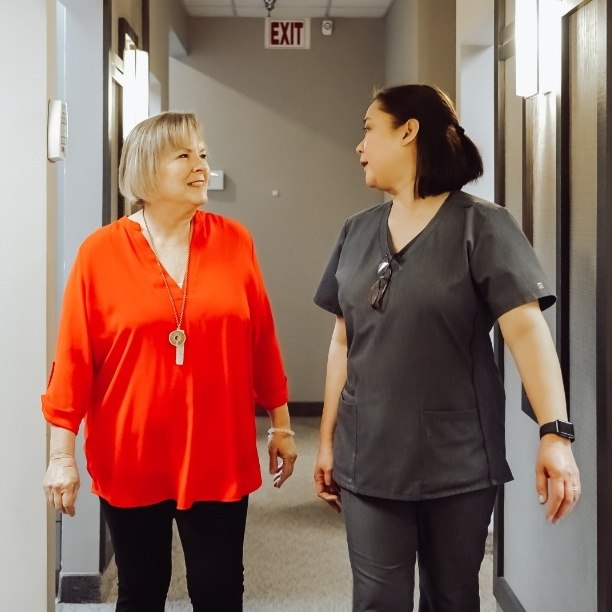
pixel 211 11
pixel 288 9
pixel 358 12
pixel 207 3
pixel 285 13
pixel 283 4
pixel 365 4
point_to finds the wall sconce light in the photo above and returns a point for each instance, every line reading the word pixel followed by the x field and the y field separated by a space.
pixel 526 47
pixel 135 88
pixel 537 36
pixel 549 36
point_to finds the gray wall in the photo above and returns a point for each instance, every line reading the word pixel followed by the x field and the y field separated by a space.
pixel 79 212
pixel 562 556
pixel 402 43
pixel 285 120
pixel 475 85
pixel 420 43
pixel 166 20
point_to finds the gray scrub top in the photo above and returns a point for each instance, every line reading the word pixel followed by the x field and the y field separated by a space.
pixel 422 413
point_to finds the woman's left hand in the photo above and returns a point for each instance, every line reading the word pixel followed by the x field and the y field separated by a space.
pixel 557 477
pixel 282 452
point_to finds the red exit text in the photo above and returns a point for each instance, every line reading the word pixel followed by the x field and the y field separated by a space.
pixel 287 34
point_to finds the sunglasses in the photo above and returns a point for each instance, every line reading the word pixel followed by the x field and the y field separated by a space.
pixel 378 289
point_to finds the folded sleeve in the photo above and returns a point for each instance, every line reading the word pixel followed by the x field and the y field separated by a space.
pixel 69 390
pixel 504 266
pixel 327 293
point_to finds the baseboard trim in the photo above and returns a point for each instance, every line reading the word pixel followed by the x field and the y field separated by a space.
pixel 305 408
pixel 80 588
pixel 506 599
pixel 301 409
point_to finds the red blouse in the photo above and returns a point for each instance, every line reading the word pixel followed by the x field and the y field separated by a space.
pixel 155 430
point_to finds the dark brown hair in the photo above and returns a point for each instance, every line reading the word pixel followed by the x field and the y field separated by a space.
pixel 446 158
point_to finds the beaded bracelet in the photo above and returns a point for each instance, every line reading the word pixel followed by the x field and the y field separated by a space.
pixel 284 430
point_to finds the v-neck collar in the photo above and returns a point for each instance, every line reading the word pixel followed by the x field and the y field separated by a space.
pixel 384 235
pixel 136 229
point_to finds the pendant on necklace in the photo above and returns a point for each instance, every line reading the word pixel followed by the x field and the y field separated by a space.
pixel 177 338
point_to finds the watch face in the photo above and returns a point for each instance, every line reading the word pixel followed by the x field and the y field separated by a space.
pixel 565 428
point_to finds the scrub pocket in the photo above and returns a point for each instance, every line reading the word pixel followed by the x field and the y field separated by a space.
pixel 345 439
pixel 454 456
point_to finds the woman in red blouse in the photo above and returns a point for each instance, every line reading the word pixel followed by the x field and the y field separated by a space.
pixel 166 344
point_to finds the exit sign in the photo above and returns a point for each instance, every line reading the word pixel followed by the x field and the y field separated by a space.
pixel 287 33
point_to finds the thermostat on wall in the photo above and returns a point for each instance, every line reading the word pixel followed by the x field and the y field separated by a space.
pixel 57 130
pixel 216 180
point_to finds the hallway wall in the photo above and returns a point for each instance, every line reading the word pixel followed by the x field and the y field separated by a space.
pixel 402 43
pixel 475 85
pixel 420 43
pixel 563 556
pixel 167 20
pixel 79 179
pixel 287 121
pixel 27 206
pixel 78 213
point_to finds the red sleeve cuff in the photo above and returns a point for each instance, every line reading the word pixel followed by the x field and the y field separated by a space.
pixel 273 398
pixel 60 417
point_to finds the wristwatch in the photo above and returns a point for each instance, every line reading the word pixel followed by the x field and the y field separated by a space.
pixel 565 429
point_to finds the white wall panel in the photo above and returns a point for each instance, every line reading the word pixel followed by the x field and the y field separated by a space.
pixel 23 285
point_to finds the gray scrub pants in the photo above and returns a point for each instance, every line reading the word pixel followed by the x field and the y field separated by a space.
pixel 447 534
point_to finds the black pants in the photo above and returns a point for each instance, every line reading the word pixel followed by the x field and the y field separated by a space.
pixel 212 535
pixel 385 537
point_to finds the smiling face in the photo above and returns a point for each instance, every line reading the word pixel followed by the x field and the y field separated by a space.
pixel 387 161
pixel 164 159
pixel 182 174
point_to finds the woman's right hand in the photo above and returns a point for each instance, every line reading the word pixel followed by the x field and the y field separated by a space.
pixel 61 484
pixel 325 486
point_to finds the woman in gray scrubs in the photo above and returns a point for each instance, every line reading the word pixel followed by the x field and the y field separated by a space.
pixel 412 435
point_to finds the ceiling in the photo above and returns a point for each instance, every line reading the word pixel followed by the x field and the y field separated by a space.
pixel 288 9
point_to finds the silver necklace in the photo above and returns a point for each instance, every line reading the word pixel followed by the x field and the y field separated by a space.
pixel 177 337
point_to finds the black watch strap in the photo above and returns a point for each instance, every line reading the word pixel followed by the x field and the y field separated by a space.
pixel 565 429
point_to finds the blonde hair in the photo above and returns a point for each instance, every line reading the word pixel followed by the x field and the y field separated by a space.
pixel 143 147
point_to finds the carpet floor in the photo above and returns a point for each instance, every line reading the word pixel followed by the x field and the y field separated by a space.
pixel 295 553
